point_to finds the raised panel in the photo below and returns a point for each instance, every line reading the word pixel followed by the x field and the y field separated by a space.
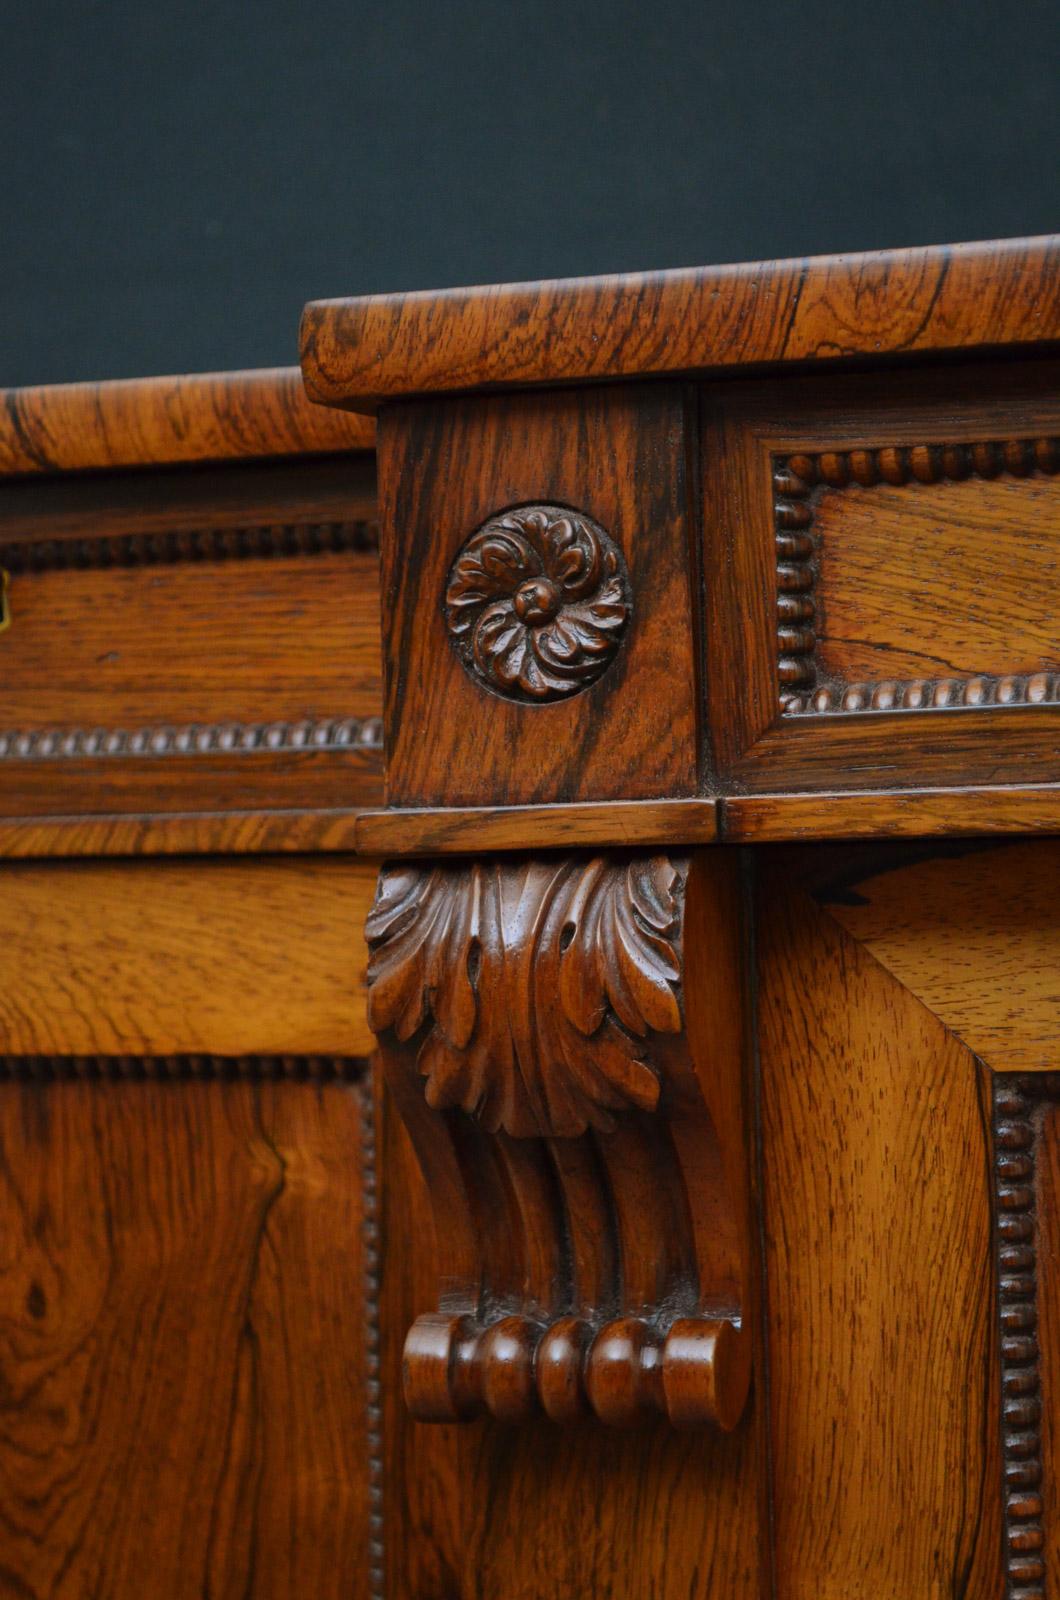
pixel 904 993
pixel 973 932
pixel 886 1472
pixel 930 589
pixel 881 554
pixel 188 1334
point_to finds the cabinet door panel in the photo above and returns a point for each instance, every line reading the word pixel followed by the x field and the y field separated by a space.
pixel 882 1337
pixel 908 1009
pixel 185 1316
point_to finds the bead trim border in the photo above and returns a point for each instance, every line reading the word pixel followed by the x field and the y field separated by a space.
pixel 372 1349
pixel 183 1069
pixel 797 479
pixel 1016 1100
pixel 929 694
pixel 178 545
pixel 194 739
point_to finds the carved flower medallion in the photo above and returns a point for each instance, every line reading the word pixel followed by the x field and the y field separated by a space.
pixel 537 603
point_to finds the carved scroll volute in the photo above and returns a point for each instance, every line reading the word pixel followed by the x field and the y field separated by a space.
pixel 563 1037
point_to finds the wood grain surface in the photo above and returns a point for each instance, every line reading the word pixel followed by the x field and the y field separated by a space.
pixel 975 935
pixel 233 832
pixel 616 456
pixel 892 813
pixel 838 571
pixel 183 1320
pixel 361 352
pixel 228 957
pixel 884 1346
pixel 945 580
pixel 85 512
pixel 235 593
pixel 973 747
pixel 735 818
pixel 144 790
pixel 162 421
pixel 611 823
pixel 586 1014
pixel 192 640
pixel 249 641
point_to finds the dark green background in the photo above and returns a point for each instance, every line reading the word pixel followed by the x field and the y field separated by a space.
pixel 177 180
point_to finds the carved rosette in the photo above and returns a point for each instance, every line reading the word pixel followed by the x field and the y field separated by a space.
pixel 539 984
pixel 537 602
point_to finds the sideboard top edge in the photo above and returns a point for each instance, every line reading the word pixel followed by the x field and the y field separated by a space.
pixel 169 421
pixel 359 353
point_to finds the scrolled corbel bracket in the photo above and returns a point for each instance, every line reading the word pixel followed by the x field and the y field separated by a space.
pixel 563 1036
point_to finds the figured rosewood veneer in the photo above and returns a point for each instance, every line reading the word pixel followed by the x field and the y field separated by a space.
pixel 608 598
pixel 150 422
pixel 361 354
pixel 190 1312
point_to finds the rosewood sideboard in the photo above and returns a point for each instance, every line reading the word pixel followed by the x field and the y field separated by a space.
pixel 530 933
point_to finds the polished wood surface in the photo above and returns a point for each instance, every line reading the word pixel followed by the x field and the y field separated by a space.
pixel 967 811
pixel 910 813
pixel 190 640
pixel 233 832
pixel 185 1318
pixel 975 935
pixel 630 731
pixel 226 957
pixel 257 641
pixel 146 794
pixel 144 422
pixel 800 484
pixel 890 617
pixel 360 353
pixel 964 812
pixel 713 1225
pixel 868 642
pixel 449 831
pixel 884 1375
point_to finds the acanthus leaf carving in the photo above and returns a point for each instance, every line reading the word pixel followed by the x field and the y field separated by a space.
pixel 579 1129
pixel 537 985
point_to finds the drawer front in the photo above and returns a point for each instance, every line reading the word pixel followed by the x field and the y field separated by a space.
pixel 907 1026
pixel 191 640
pixel 884 554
